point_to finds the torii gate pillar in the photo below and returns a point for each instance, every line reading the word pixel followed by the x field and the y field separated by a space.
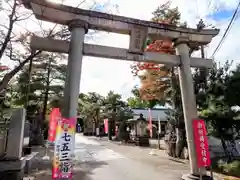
pixel 78 30
pixel 189 103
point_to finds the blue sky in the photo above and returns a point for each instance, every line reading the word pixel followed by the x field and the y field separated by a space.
pixel 221 15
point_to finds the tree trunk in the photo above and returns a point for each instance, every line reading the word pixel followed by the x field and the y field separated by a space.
pixel 109 129
pixel 180 142
pixel 170 140
pixel 97 126
pixel 45 101
pixel 179 118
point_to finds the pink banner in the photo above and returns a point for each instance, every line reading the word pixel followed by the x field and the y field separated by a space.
pixel 201 143
pixel 150 122
pixel 54 117
pixel 106 125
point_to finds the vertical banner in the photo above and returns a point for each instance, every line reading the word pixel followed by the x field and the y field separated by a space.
pixel 106 126
pixel 201 143
pixel 64 149
pixel 54 118
pixel 150 122
pixel 159 126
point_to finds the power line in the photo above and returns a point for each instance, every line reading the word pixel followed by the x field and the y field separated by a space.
pixel 226 31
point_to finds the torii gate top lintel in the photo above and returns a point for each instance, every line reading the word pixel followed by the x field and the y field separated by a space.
pixel 63 14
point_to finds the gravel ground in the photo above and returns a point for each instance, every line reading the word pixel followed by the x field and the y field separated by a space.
pixel 41 169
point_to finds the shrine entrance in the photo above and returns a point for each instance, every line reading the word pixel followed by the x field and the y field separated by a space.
pixel 79 21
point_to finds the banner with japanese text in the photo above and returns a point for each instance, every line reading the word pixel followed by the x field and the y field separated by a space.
pixel 55 115
pixel 64 149
pixel 201 143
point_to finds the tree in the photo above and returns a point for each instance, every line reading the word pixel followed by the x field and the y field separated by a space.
pixel 94 107
pixel 160 83
pixel 215 103
pixel 233 90
pixel 37 89
pixel 14 41
pixel 137 102
pixel 10 39
pixel 90 106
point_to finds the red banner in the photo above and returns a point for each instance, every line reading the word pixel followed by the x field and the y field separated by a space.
pixel 106 125
pixel 54 116
pixel 201 143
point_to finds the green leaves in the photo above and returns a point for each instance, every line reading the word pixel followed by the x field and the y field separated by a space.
pixel 216 100
pixel 95 107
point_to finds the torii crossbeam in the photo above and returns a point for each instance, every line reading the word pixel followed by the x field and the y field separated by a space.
pixel 79 21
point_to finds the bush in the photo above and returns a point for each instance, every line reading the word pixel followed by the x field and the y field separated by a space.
pixel 232 169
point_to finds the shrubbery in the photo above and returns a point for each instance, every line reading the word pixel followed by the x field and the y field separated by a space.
pixel 232 168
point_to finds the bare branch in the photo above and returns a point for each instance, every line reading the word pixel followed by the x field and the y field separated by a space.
pixel 23 18
pixel 10 28
pixel 9 76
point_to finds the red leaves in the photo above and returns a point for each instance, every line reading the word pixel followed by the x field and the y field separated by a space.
pixel 147 66
pixel 3 68
pixel 159 46
pixel 150 88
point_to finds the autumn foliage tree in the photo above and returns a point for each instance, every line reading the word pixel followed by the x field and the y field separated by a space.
pixel 160 82
pixel 154 76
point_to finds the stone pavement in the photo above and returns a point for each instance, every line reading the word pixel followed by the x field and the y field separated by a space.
pixel 104 160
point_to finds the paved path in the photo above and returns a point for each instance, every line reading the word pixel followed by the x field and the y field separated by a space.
pixel 103 160
pixel 113 164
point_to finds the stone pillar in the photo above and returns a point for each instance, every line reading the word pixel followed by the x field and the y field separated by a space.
pixel 16 135
pixel 78 30
pixel 189 105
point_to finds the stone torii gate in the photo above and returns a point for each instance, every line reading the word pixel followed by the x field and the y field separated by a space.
pixel 79 21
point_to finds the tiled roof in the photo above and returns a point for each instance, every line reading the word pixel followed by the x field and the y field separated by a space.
pixel 156 113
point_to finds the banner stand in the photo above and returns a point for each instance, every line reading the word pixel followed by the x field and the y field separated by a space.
pixel 46 157
pixel 200 173
pixel 211 172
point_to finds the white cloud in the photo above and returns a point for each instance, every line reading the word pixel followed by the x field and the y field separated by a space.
pixel 103 75
pixel 191 11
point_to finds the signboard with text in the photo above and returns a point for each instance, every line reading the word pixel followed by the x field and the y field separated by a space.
pixel 64 149
pixel 201 143
pixel 137 39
